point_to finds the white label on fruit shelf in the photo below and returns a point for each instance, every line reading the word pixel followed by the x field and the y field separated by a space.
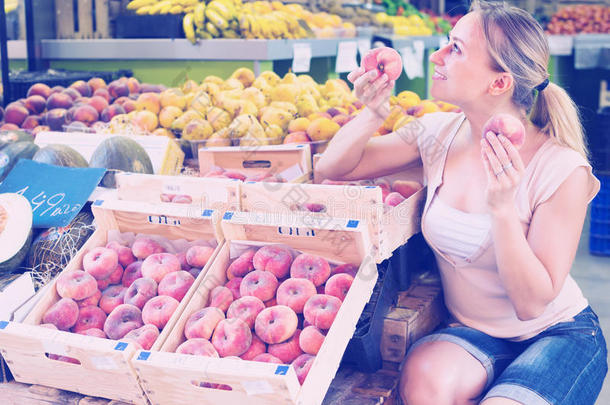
pixel 169 188
pixel 257 387
pixel 413 59
pixel 364 45
pixel 346 57
pixel 561 45
pixel 301 58
pixel 292 172
pixel 104 363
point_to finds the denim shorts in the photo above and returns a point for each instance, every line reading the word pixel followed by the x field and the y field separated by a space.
pixel 564 364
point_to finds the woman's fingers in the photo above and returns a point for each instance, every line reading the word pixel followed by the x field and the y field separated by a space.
pixel 355 74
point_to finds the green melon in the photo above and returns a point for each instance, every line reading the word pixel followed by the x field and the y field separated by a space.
pixel 8 137
pixel 120 153
pixel 15 230
pixel 10 154
pixel 60 155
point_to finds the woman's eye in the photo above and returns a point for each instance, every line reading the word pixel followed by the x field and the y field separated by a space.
pixel 454 48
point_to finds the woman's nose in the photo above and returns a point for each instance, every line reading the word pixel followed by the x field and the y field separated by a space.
pixel 437 57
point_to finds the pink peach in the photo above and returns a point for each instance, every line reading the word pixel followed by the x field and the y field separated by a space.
pixel 124 253
pixel 93 332
pixel 261 284
pixel 157 265
pixel 314 268
pixel 233 285
pixel 198 256
pixel 144 336
pixel 63 314
pixel 112 297
pixel 321 310
pixel 158 310
pixel 122 320
pixel 144 247
pixel 100 262
pixel 142 290
pixel 267 358
pixel 132 273
pixel 295 292
pixel 257 347
pixel 201 324
pixel 302 365
pixel 289 350
pixel 77 285
pixel 276 324
pixel 243 264
pixel 311 340
pixel 89 317
pixel 220 297
pixel 274 259
pixel 246 308
pixel 338 285
pixel 176 284
pixel 92 300
pixel 232 337
pixel 198 347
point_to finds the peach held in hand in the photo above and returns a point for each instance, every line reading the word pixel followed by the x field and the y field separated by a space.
pixel 385 60
pixel 507 125
pixel 201 324
pixel 276 324
pixel 311 267
pixel 232 337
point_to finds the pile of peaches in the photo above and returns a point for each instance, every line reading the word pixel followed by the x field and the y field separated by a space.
pixel 126 293
pixel 274 308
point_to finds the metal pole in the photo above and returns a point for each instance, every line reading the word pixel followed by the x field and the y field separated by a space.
pixel 4 56
pixel 29 35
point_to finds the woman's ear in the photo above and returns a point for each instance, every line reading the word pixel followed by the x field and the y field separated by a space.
pixel 502 83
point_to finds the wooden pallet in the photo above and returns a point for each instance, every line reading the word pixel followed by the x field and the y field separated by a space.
pixel 417 312
pixel 89 19
pixel 105 369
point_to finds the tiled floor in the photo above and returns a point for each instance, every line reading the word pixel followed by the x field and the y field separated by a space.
pixel 593 275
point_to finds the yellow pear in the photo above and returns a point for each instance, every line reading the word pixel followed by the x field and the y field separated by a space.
pixel 197 130
pixel 189 85
pixel 306 105
pixel 213 79
pixel 232 84
pixel 285 92
pixel 163 132
pixel 271 77
pixel 244 75
pixel 276 116
pixel 289 78
pixel 306 79
pixel 212 89
pixel 201 102
pixel 180 122
pixel 219 138
pixel 407 99
pixel 241 124
pixel 402 121
pixel 298 125
pixel 322 129
pixel 284 105
pixel 260 83
pixel 168 115
pixel 274 134
pixel 218 117
pixel 173 97
pixel 395 113
pixel 255 96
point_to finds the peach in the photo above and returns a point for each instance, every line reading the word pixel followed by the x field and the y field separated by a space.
pixel 232 337
pixel 123 252
pixel 198 256
pixel 144 247
pixel 157 265
pixel 201 324
pixel 276 324
pixel 129 106
pixel 96 83
pixel 131 273
pixel 73 93
pixel 35 104
pixel 82 87
pixel 93 332
pixel 149 102
pixel 122 320
pixel 176 284
pixel 274 259
pixel 63 314
pixel 112 111
pixel 77 285
pixel 59 100
pixel 102 93
pixel 182 199
pixel 393 199
pixel 89 317
pixel 198 347
pixel 243 264
pixel 507 125
pixel 314 268
pixel 295 292
pixel 117 275
pixel 182 259
pixel 385 60
pixel 99 103
pixel 220 297
pixel 144 336
pixel 15 114
pixel 9 127
pixel 112 297
pixel 39 89
pixel 271 303
pixel 338 285
pixel 406 188
pixel 347 268
pixel 145 120
pixel 56 119
pixel 91 300
pixel 100 262
pixel 103 284
pixel 289 350
pixel 38 129
pixel 261 284
pixel 246 309
pixel 297 137
pixel 321 310
pixel 134 85
pixel 158 310
pixel 140 291
pixel 31 122
pixel 233 174
pixel 257 347
pixel 311 340
pixel 118 89
pixel 302 365
pixel 369 61
pixel 233 285
pixel 267 358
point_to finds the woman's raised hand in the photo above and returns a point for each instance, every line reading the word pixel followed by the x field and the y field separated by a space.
pixel 373 91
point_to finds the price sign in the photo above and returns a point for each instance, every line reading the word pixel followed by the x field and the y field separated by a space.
pixel 364 45
pixel 56 193
pixel 301 59
pixel 413 59
pixel 346 57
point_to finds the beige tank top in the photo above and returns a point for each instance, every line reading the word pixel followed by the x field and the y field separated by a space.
pixel 473 291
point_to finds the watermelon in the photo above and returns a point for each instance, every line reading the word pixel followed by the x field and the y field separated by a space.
pixel 10 154
pixel 15 230
pixel 60 155
pixel 120 153
pixel 8 137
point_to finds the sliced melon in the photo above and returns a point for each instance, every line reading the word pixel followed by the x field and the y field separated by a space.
pixel 15 230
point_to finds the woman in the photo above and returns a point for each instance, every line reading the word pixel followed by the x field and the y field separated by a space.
pixel 504 224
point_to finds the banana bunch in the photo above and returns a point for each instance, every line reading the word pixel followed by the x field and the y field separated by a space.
pixel 273 25
pixel 216 19
pixel 154 7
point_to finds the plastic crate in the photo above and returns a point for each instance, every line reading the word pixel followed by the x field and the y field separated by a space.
pixel 362 351
pixel 599 227
pixel 599 244
pixel 139 26
pixel 21 81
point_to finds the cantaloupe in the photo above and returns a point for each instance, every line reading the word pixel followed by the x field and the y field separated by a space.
pixel 15 230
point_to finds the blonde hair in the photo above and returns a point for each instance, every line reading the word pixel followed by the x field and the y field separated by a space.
pixel 517 44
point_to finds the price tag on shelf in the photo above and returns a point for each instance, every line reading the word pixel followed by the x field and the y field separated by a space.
pixel 364 45
pixel 301 59
pixel 560 45
pixel 413 59
pixel 346 57
pixel 56 193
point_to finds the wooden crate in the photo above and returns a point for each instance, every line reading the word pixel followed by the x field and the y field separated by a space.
pixel 105 368
pixel 89 19
pixel 214 193
pixel 292 162
pixel 169 378
pixel 418 311
pixel 388 230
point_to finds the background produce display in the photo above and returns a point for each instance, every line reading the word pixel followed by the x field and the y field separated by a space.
pixel 585 19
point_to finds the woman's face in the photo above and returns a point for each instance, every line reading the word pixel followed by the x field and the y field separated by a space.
pixel 462 71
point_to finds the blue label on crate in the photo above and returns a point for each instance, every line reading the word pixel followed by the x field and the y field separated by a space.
pixel 228 215
pixel 370 186
pixel 143 356
pixel 3 324
pixel 121 346
pixel 281 370
pixel 207 213
pixel 98 202
pixel 352 223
